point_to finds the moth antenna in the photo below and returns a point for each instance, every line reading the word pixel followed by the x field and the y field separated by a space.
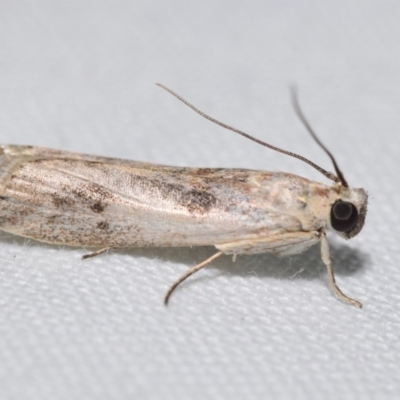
pixel 303 119
pixel 328 174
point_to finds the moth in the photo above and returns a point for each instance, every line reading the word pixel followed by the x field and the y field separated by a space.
pixel 74 199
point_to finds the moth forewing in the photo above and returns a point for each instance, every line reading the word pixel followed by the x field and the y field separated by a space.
pixel 76 199
pixel 81 200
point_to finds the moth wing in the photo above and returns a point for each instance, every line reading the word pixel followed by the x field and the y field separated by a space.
pixel 82 200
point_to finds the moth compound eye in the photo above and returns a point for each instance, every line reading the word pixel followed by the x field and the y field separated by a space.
pixel 344 216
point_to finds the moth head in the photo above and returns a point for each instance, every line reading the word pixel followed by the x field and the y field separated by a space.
pixel 348 212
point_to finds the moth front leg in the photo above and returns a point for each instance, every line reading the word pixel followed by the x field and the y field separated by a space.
pixel 326 258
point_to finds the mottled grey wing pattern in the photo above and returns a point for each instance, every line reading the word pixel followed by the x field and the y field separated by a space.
pixel 68 198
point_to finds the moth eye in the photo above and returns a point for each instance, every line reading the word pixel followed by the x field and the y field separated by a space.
pixel 344 216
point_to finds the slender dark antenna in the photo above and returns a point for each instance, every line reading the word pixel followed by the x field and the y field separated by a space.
pixel 303 119
pixel 328 174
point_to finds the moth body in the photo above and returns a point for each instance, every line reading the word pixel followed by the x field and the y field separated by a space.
pixel 80 200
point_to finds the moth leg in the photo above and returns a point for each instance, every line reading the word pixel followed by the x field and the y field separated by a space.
pixel 281 244
pixel 96 253
pixel 326 258
pixel 191 271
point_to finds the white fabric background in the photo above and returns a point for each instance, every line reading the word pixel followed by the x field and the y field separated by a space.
pixel 80 76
